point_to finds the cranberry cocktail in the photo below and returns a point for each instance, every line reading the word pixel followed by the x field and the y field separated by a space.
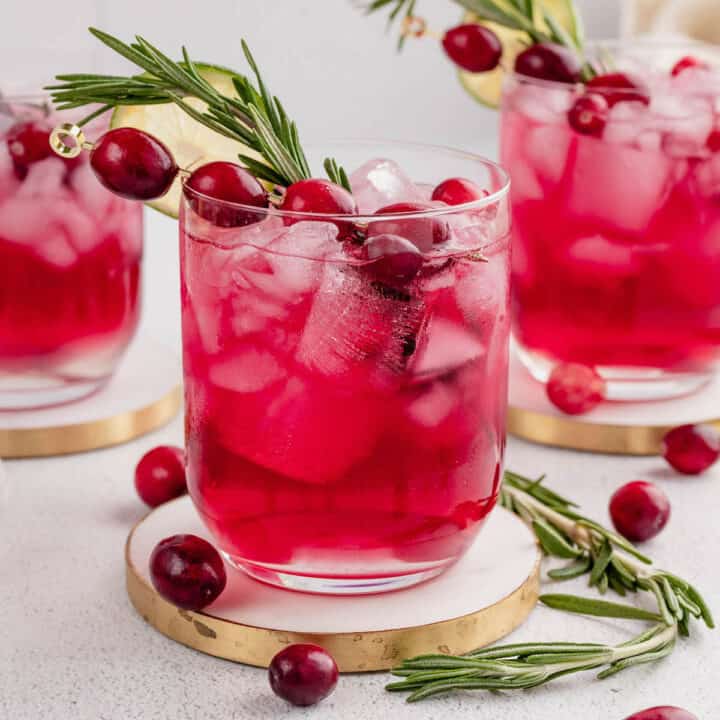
pixel 70 256
pixel 616 205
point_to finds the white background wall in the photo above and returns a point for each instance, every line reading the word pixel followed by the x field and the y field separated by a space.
pixel 336 71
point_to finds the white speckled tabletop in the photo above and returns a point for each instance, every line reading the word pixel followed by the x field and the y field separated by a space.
pixel 71 646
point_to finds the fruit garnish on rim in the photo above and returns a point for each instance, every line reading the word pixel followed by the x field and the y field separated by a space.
pixel 190 115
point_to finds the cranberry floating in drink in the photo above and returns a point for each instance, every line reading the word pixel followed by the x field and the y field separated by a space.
pixel 70 256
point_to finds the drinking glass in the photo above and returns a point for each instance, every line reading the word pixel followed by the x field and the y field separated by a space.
pixel 70 255
pixel 345 428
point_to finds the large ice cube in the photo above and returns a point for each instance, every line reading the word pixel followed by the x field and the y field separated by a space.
pixel 360 329
pixel 96 199
pixel 44 178
pixel 247 370
pixel 382 182
pixel 546 151
pixel 601 258
pixel 619 187
pixel 445 346
pixel 543 104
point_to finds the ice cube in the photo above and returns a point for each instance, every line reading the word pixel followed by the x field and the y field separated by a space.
pixel 545 105
pixel 359 329
pixel 96 199
pixel 55 249
pixel 43 179
pixel 302 428
pixel 433 407
pixel 600 257
pixel 619 187
pixel 546 151
pixel 381 182
pixel 687 135
pixel 247 370
pixel 445 346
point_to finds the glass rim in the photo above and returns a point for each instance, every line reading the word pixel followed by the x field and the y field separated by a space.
pixel 492 198
pixel 649 43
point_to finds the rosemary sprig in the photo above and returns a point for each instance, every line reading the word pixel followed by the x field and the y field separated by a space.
pixel 611 562
pixel 253 117
pixel 527 16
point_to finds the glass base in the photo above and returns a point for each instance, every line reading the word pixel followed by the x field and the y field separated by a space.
pixel 334 585
pixel 627 384
pixel 19 392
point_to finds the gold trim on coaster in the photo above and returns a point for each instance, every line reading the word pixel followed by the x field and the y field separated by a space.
pixel 353 652
pixel 574 434
pixel 81 437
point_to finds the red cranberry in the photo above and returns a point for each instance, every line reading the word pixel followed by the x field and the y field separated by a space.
pixel 423 232
pixel 618 87
pixel 713 141
pixel 639 510
pixel 575 389
pixel 229 183
pixel 320 196
pixel 458 191
pixel 160 475
pixel 692 449
pixel 395 260
pixel 28 143
pixel 303 674
pixel 588 115
pixel 133 164
pixel 547 61
pixel 473 47
pixel 686 63
pixel 663 713
pixel 187 571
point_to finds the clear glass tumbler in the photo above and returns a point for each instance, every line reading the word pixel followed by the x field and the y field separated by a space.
pixel 616 249
pixel 70 254
pixel 345 429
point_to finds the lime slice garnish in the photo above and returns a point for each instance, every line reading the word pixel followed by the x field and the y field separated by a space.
pixel 486 88
pixel 191 143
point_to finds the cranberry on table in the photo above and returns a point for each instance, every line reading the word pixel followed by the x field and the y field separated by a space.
pixel 423 232
pixel 588 115
pixel 618 87
pixel 575 389
pixel 133 164
pixel 160 475
pixel 229 183
pixel 458 191
pixel 687 63
pixel 639 510
pixel 548 61
pixel 473 47
pixel 666 712
pixel 303 674
pixel 187 571
pixel 28 143
pixel 394 260
pixel 692 449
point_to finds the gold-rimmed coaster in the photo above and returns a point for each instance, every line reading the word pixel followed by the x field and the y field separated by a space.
pixel 143 395
pixel 479 600
pixel 623 428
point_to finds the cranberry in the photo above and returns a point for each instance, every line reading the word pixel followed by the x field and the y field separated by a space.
pixel 575 389
pixel 588 115
pixel 423 232
pixel 395 260
pixel 28 143
pixel 713 141
pixel 303 674
pixel 320 196
pixel 692 449
pixel 618 87
pixel 663 713
pixel 160 475
pixel 686 63
pixel 187 571
pixel 547 61
pixel 133 164
pixel 473 47
pixel 458 191
pixel 229 183
pixel 639 510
